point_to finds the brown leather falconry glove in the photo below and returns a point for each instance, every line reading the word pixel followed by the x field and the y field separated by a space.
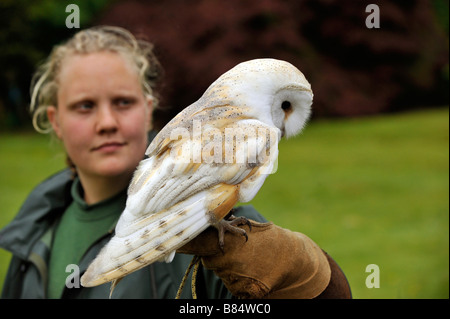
pixel 273 263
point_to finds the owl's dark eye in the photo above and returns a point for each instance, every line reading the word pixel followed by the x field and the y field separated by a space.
pixel 286 106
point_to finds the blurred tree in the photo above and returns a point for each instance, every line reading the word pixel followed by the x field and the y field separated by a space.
pixel 28 31
pixel 354 70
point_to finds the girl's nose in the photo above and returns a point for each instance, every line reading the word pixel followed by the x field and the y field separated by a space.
pixel 106 120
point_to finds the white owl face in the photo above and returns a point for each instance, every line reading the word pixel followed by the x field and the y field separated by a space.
pixel 290 109
pixel 276 91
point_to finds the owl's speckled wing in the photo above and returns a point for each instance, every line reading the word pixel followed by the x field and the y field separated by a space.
pixel 172 198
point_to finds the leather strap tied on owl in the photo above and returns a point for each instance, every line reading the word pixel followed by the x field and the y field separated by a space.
pixel 273 263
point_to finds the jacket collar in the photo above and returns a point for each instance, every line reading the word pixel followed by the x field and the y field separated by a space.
pixel 39 211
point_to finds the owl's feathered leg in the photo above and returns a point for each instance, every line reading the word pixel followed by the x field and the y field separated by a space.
pixel 230 224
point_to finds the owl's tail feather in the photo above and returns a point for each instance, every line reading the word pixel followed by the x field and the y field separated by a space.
pixel 155 240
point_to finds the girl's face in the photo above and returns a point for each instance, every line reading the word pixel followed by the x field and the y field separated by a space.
pixel 102 115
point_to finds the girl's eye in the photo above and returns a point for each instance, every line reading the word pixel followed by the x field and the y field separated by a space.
pixel 124 102
pixel 84 106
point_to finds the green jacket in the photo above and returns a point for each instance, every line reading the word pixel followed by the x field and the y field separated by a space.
pixel 29 236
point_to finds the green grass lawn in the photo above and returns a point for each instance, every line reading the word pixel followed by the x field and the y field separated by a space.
pixel 368 191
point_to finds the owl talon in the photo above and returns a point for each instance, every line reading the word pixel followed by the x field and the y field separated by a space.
pixel 231 226
pixel 238 221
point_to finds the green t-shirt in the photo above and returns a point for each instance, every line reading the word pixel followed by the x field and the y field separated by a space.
pixel 80 226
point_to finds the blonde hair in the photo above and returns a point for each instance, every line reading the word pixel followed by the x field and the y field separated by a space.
pixel 44 86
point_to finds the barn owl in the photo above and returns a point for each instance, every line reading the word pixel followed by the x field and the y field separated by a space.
pixel 228 146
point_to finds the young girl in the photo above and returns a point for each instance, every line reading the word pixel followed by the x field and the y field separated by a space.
pixel 95 93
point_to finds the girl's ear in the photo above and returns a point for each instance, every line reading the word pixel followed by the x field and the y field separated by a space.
pixel 52 115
